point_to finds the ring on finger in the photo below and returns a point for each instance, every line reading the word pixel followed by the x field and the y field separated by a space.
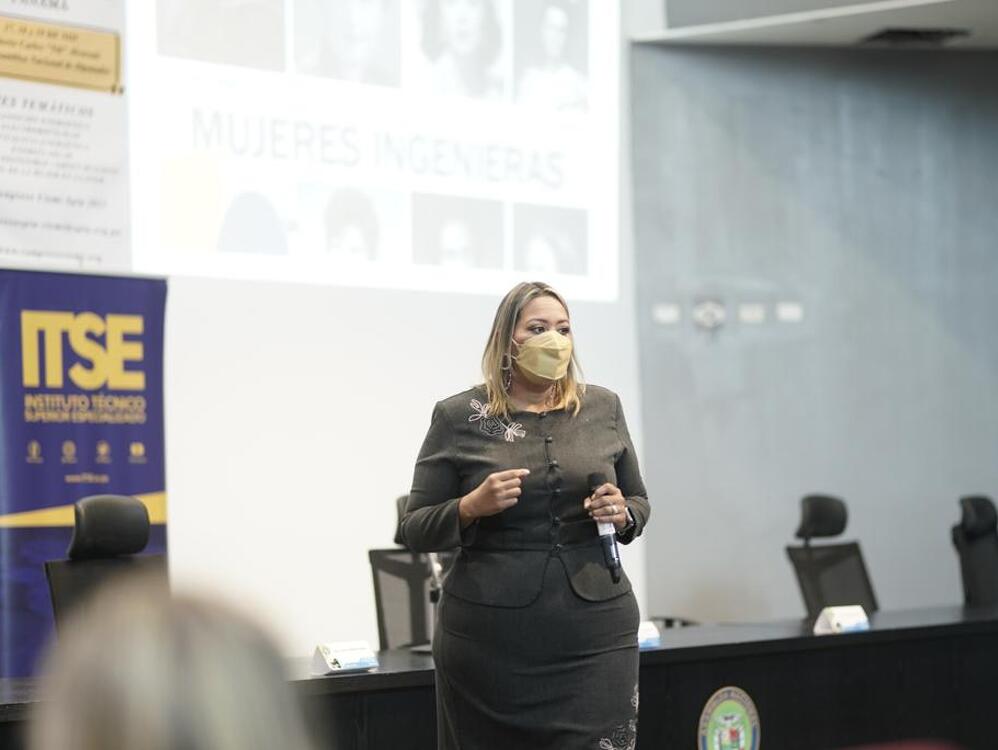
pixel 613 510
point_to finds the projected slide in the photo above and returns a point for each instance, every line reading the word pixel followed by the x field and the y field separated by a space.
pixel 63 142
pixel 453 145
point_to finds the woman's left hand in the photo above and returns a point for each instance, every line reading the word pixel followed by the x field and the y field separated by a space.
pixel 607 505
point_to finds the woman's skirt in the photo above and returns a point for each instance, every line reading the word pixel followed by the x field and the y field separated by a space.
pixel 560 673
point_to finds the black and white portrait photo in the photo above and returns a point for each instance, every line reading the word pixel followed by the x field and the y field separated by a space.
pixel 550 239
pixel 248 33
pixel 350 40
pixel 352 226
pixel 551 57
pixel 456 233
pixel 464 45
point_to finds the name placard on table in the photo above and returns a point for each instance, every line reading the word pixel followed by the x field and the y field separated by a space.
pixel 344 656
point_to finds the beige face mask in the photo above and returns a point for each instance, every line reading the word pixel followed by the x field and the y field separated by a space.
pixel 545 356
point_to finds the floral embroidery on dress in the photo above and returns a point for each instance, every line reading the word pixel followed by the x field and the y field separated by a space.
pixel 623 736
pixel 492 425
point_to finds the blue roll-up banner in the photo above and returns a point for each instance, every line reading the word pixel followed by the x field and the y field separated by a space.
pixel 81 413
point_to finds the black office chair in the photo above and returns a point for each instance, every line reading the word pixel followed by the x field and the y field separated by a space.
pixel 976 542
pixel 405 590
pixel 402 596
pixel 109 532
pixel 830 574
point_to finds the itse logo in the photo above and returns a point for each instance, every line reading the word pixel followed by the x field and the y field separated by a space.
pixel 99 343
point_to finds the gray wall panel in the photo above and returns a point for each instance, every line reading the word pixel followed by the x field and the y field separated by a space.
pixel 695 12
pixel 863 185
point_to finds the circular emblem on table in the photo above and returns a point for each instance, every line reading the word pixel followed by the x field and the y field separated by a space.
pixel 729 721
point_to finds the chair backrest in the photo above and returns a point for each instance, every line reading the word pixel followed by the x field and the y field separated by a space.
pixel 71 582
pixel 108 533
pixel 831 575
pixel 976 542
pixel 108 526
pixel 402 595
pixel 821 516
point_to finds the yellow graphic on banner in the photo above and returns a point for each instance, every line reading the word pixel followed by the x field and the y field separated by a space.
pixel 107 355
pixel 107 362
pixel 55 53
pixel 62 515
pixel 34 453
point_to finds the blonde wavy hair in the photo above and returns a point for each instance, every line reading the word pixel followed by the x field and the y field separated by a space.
pixel 138 668
pixel 498 356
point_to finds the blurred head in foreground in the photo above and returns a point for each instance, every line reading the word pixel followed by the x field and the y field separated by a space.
pixel 140 669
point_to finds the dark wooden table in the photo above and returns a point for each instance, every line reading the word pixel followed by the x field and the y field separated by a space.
pixel 926 673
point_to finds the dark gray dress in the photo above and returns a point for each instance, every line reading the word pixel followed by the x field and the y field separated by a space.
pixel 535 646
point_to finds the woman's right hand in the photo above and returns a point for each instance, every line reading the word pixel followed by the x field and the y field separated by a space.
pixel 498 492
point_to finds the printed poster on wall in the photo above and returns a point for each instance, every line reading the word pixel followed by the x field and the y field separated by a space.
pixel 63 136
pixel 81 413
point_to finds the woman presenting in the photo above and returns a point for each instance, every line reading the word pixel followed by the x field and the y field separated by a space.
pixel 536 645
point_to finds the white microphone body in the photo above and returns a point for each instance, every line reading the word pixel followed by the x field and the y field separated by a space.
pixel 607 534
pixel 436 576
pixel 436 569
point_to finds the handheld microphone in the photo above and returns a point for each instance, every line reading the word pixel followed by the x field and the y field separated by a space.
pixel 436 576
pixel 607 533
